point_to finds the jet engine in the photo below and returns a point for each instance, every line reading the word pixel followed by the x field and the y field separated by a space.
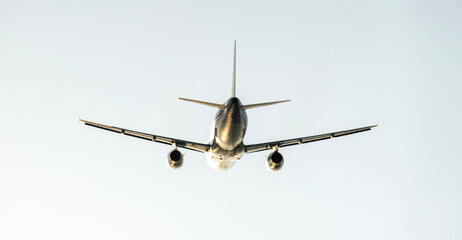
pixel 175 159
pixel 275 161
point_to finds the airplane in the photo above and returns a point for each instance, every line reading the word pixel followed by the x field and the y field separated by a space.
pixel 226 145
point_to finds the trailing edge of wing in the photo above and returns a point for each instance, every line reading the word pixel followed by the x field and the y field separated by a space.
pixel 199 147
pixel 289 142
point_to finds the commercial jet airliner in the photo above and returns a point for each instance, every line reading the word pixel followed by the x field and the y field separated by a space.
pixel 226 145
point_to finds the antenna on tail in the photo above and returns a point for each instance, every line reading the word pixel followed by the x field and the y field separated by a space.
pixel 233 86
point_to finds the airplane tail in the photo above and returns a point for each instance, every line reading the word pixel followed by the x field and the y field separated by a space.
pixel 233 93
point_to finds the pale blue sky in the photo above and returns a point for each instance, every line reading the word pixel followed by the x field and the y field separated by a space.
pixel 344 64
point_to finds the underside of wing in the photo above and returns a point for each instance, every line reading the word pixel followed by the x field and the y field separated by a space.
pixel 199 147
pixel 295 141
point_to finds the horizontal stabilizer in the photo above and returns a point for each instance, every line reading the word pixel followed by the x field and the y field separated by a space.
pixel 262 104
pixel 215 105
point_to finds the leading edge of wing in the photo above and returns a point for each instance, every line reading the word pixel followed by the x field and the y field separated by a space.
pixel 295 141
pixel 199 147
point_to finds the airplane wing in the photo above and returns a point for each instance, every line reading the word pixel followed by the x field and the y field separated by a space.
pixel 199 147
pixel 289 142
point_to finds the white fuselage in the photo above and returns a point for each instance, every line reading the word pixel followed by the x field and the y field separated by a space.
pixel 227 135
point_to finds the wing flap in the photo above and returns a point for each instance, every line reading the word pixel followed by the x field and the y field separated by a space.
pixel 348 132
pixel 101 126
pixel 295 141
pixel 199 147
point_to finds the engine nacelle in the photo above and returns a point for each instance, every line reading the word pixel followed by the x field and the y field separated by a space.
pixel 275 161
pixel 175 159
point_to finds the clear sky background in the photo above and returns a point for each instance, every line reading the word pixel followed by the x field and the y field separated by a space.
pixel 344 64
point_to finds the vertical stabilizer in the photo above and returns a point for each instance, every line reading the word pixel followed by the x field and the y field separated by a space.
pixel 233 86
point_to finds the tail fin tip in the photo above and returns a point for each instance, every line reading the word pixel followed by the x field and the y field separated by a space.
pixel 233 84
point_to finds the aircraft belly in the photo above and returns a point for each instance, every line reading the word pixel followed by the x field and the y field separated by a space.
pixel 220 159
